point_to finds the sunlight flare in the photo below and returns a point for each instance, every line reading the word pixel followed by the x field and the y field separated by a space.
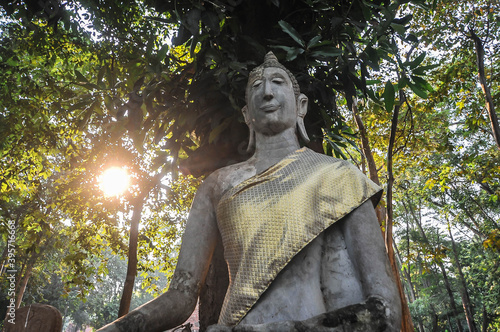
pixel 114 181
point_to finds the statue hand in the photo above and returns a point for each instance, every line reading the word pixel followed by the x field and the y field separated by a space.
pixel 373 312
pixel 371 315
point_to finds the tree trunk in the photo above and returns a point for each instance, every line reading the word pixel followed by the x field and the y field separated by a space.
pixel 411 290
pixel 4 258
pixel 490 106
pixel 486 320
pixel 24 283
pixel 406 323
pixel 450 294
pixel 5 251
pixel 469 311
pixel 25 272
pixel 128 287
pixel 441 267
pixel 449 323
pixel 370 161
pixel 435 322
pixel 25 277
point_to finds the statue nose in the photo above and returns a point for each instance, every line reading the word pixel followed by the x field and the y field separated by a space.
pixel 268 91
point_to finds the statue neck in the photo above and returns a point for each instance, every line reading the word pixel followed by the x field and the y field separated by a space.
pixel 271 149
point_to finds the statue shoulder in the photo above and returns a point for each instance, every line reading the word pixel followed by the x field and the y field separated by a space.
pixel 225 178
pixel 334 163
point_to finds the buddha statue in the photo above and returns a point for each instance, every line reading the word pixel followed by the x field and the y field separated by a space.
pixel 301 239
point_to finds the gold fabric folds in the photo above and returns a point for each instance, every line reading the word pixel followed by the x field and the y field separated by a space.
pixel 266 220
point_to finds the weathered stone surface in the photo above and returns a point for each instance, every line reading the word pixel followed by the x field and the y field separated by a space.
pixel 36 318
pixel 369 316
pixel 214 289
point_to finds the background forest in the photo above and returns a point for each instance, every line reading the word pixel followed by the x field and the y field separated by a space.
pixel 404 89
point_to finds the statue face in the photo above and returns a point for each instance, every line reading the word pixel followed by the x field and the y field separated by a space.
pixel 272 106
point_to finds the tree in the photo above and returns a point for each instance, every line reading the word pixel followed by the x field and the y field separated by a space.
pixel 54 121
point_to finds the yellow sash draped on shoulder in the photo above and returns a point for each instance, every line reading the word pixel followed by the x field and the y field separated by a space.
pixel 266 220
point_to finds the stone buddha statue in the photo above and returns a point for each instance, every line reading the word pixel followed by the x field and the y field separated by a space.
pixel 301 239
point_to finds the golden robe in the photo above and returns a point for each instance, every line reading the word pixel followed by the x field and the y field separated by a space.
pixel 266 220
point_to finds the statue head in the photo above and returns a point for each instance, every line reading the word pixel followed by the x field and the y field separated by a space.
pixel 270 61
pixel 273 91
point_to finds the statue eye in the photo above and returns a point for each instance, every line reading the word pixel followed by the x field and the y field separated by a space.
pixel 278 80
pixel 256 84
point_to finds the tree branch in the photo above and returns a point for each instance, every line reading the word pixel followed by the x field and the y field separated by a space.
pixel 490 106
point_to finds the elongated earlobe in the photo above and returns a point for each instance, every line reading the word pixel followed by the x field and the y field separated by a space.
pixel 302 130
pixel 302 102
pixel 251 139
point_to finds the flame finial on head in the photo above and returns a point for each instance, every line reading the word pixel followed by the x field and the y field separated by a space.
pixel 270 57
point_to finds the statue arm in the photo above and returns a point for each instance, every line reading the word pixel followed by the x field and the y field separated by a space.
pixel 176 305
pixel 366 249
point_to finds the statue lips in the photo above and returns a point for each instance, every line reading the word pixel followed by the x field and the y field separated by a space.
pixel 269 108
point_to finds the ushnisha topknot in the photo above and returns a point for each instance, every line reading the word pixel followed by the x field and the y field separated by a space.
pixel 271 61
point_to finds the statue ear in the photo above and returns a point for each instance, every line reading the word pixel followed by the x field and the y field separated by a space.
pixel 251 139
pixel 302 102
pixel 244 110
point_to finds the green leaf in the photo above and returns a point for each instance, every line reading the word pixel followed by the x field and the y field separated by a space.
pixel 336 149
pixel 373 57
pixel 100 76
pixel 403 82
pixel 403 20
pixel 422 83
pixel 163 52
pixel 192 48
pixel 287 28
pixel 389 96
pixel 211 20
pixel 183 35
pixel 214 134
pixel 423 69
pixel 412 38
pixel 12 62
pixel 293 53
pixel 284 48
pixel 399 28
pixel 418 60
pixel 417 90
pixel 372 82
pixel 340 139
pixel 327 51
pixel 192 21
pixel 162 20
pixel 313 42
pixel 80 78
